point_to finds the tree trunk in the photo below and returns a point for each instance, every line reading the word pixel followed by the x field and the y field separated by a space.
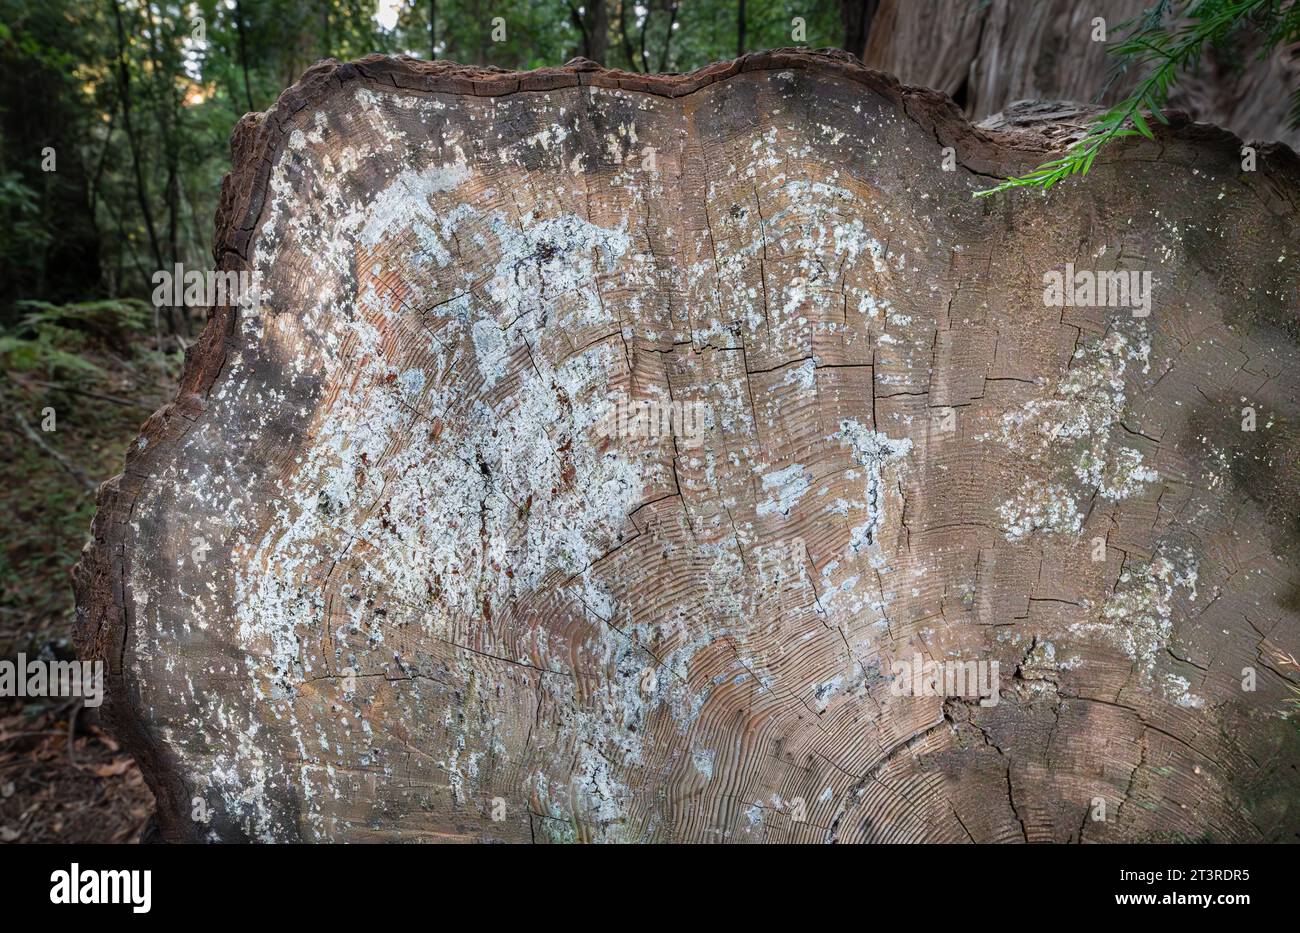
pixel 989 55
pixel 133 142
pixel 595 31
pixel 612 457
pixel 740 28
pixel 856 16
pixel 243 51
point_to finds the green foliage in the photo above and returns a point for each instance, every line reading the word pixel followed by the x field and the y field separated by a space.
pixel 52 340
pixel 23 234
pixel 95 367
pixel 1165 41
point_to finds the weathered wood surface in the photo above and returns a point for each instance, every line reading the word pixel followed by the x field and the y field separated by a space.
pixel 992 54
pixel 396 467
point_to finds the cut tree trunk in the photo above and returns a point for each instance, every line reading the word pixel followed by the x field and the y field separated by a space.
pixel 602 446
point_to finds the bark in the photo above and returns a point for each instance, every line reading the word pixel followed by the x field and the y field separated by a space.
pixel 592 20
pixel 989 55
pixel 386 570
pixel 596 28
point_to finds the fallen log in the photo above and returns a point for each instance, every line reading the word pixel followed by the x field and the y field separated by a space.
pixel 607 457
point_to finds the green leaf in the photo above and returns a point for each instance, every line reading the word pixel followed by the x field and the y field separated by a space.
pixel 1142 127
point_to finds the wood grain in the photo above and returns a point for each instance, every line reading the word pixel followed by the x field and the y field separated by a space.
pixel 383 572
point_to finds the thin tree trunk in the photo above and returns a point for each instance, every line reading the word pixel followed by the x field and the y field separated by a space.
pixel 142 196
pixel 123 244
pixel 624 38
pixel 856 16
pixel 593 23
pixel 576 16
pixel 167 115
pixel 645 24
pixel 668 37
pixel 243 53
pixel 740 29
pixel 103 157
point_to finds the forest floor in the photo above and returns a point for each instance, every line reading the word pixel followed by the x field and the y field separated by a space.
pixel 62 777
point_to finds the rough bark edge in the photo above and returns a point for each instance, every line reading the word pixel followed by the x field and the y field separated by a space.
pixel 105 616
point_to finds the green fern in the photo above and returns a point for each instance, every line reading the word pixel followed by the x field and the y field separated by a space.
pixel 51 339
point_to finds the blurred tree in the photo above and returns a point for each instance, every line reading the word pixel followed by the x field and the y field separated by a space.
pixel 49 240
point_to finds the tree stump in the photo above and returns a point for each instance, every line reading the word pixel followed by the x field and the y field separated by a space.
pixel 624 458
